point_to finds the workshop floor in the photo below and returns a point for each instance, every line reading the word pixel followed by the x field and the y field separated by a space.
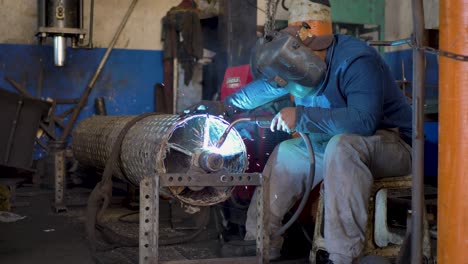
pixel 44 236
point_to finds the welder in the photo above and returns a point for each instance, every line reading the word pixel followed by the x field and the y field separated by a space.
pixel 358 120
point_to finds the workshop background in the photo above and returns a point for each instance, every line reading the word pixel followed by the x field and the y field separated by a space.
pixel 127 82
pixel 134 80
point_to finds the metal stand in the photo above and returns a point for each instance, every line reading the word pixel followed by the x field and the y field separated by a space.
pixel 59 169
pixel 57 149
pixel 149 212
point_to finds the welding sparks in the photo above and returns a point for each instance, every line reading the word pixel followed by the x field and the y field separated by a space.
pixel 212 130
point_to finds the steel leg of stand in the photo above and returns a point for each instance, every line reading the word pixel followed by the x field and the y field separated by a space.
pixel 59 174
pixel 263 220
pixel 149 220
pixel 149 213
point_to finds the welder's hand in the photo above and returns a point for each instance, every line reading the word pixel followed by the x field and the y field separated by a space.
pixel 285 120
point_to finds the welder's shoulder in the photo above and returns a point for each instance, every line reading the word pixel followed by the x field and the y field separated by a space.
pixel 348 49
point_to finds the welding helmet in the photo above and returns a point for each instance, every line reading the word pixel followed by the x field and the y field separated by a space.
pixel 284 61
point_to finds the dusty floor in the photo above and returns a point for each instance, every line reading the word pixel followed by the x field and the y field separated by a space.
pixel 47 237
pixel 44 236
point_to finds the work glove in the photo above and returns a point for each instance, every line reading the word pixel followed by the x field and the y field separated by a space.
pixel 285 120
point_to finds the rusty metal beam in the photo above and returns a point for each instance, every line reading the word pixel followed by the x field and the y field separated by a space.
pixel 417 188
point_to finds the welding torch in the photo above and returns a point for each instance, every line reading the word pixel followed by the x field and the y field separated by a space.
pixel 261 121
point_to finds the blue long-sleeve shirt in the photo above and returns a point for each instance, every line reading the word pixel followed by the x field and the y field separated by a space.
pixel 358 96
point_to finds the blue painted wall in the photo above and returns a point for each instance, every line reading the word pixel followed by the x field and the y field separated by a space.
pixel 395 59
pixel 126 81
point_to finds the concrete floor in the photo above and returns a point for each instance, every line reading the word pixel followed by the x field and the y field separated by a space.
pixel 43 236
pixel 46 237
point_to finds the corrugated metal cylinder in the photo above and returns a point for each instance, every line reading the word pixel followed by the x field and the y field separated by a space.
pixel 161 144
pixel 452 230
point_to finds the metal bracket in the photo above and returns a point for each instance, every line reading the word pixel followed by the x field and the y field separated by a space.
pixel 57 30
pixel 59 174
pixel 149 211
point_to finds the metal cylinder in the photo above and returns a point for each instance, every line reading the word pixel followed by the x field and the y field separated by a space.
pixel 60 50
pixel 100 106
pixel 63 13
pixel 163 144
pixel 452 222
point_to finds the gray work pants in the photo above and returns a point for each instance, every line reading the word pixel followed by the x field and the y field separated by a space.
pixel 348 166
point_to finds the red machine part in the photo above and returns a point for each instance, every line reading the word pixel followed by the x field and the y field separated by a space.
pixel 262 141
pixel 234 79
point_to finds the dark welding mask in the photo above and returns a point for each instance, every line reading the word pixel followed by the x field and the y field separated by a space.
pixel 284 61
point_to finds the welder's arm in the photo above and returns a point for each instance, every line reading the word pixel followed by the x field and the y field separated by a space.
pixel 254 94
pixel 362 85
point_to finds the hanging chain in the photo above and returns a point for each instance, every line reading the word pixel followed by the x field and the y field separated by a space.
pixel 413 44
pixel 438 52
pixel 271 7
pixel 448 54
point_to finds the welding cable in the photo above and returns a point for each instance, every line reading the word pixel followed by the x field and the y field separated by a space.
pixel 309 184
pixel 122 217
pixel 117 240
pixel 310 181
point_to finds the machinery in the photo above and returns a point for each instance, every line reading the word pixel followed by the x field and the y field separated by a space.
pixel 163 144
pixel 62 20
pixel 178 154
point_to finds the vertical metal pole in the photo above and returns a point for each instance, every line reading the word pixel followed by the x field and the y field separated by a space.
pixel 263 221
pixel 452 221
pixel 175 85
pixel 417 202
pixel 149 220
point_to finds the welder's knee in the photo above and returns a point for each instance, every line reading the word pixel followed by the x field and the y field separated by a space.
pixel 343 144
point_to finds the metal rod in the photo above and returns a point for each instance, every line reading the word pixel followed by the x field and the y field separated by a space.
pixel 12 131
pixel 181 149
pixel 66 112
pixel 100 106
pixel 389 43
pixel 67 101
pixel 81 13
pixel 60 50
pixel 89 88
pixel 90 27
pixel 417 188
pixel 49 133
pixel 18 87
pixel 175 84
